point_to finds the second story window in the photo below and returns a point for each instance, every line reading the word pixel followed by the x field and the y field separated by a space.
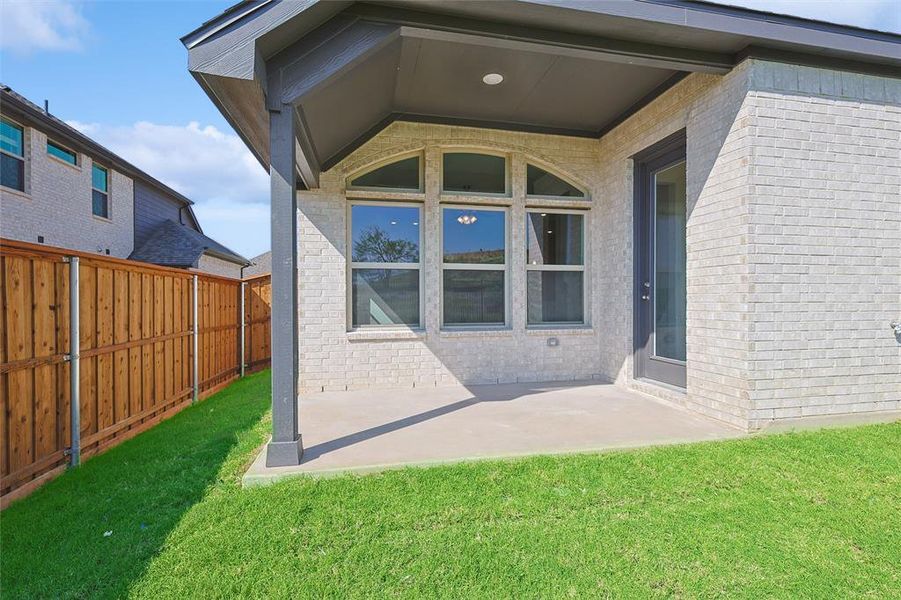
pixel 100 191
pixel 63 154
pixel 12 155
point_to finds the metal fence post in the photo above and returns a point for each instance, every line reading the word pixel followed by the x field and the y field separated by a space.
pixel 243 362
pixel 74 365
pixel 195 336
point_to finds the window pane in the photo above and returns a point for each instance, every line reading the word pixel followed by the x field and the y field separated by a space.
pixel 555 297
pixel 402 175
pixel 61 153
pixel 473 236
pixel 11 138
pixel 541 183
pixel 669 263
pixel 385 297
pixel 100 204
pixel 554 239
pixel 475 173
pixel 12 172
pixel 98 178
pixel 387 234
pixel 473 297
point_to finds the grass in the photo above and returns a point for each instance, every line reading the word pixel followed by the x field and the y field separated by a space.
pixel 808 514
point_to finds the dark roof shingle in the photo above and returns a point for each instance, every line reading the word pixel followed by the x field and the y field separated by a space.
pixel 175 245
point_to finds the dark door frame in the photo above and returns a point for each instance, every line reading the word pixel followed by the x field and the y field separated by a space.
pixel 668 151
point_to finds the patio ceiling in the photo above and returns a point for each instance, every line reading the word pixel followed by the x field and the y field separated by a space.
pixel 437 80
pixel 360 70
pixel 571 68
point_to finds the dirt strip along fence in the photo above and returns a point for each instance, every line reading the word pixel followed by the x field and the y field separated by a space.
pixel 135 358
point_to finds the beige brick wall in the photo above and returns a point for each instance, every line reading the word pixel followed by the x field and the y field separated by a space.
pixel 217 266
pixel 57 204
pixel 824 254
pixel 333 358
pixel 713 110
pixel 794 252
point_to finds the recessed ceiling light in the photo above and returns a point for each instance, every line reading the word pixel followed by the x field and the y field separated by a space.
pixel 492 78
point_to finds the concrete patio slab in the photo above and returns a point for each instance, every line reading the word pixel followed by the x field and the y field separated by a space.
pixel 363 431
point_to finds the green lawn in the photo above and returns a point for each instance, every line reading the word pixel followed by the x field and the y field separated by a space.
pixel 811 515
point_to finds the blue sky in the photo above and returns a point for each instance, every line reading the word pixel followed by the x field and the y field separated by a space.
pixel 82 57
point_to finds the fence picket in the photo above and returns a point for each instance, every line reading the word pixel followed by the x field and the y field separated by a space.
pixel 135 329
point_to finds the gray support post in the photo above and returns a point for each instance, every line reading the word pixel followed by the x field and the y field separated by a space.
pixel 286 447
pixel 194 338
pixel 74 364
pixel 243 325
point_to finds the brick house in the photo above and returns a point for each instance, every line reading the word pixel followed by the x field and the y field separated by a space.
pixel 259 265
pixel 63 189
pixel 696 201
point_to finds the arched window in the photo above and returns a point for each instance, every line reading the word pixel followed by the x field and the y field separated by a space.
pixel 404 174
pixel 542 183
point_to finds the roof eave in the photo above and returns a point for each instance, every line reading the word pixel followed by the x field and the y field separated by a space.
pixel 82 142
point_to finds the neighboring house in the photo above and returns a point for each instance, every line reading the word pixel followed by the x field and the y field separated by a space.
pixel 697 201
pixel 61 188
pixel 174 245
pixel 259 265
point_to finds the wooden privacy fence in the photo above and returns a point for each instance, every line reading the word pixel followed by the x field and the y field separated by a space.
pixel 141 355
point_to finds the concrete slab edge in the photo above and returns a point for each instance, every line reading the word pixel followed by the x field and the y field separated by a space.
pixel 250 479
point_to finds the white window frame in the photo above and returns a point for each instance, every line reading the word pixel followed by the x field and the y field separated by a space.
pixel 384 163
pixel 583 268
pixel 505 267
pixel 351 265
pixel 107 193
pixel 585 195
pixel 22 158
pixel 470 150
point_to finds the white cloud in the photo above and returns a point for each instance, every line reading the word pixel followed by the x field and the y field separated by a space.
pixel 27 26
pixel 883 15
pixel 211 167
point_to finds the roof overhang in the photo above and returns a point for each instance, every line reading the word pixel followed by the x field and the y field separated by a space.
pixel 19 108
pixel 571 68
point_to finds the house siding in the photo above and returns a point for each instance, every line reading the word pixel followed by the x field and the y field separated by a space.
pixel 217 266
pixel 152 208
pixel 713 110
pixel 259 265
pixel 824 247
pixel 793 253
pixel 339 359
pixel 57 204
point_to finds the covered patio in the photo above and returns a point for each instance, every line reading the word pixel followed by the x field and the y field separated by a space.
pixel 364 431
pixel 483 192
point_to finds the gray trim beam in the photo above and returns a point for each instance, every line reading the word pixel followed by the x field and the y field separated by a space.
pixel 286 446
pixel 449 27
pixel 305 156
pixel 816 60
pixel 342 52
